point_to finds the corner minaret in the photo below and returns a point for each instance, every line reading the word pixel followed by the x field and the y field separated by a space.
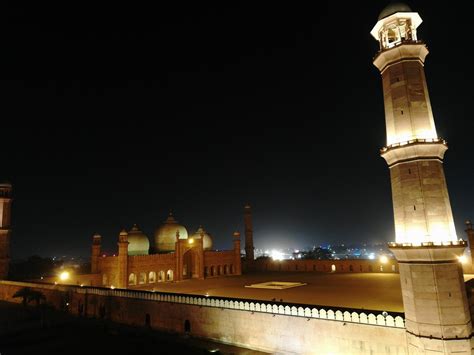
pixel 122 260
pixel 5 228
pixel 427 249
pixel 249 249
pixel 237 258
pixel 96 241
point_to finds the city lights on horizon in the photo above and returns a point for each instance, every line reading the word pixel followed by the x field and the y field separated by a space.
pixel 376 251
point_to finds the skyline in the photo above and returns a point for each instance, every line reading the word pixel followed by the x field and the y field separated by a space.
pixel 97 176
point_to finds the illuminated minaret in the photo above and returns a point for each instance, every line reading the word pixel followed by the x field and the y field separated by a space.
pixel 249 249
pixel 427 249
pixel 122 260
pixel 5 228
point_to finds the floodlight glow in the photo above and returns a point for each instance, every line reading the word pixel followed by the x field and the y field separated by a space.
pixel 64 276
pixel 383 259
pixel 462 259
pixel 276 255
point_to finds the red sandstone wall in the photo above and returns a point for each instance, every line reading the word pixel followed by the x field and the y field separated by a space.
pixel 109 266
pixel 218 263
pixel 146 264
pixel 354 265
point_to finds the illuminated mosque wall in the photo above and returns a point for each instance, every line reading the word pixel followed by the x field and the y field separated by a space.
pixel 326 266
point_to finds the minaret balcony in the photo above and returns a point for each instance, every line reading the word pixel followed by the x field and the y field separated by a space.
pixel 428 251
pixel 405 50
pixel 414 149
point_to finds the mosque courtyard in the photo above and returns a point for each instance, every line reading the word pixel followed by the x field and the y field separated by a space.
pixel 373 291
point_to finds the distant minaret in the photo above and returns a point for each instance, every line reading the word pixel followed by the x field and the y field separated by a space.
pixel 122 260
pixel 5 228
pixel 470 237
pixel 237 259
pixel 96 241
pixel 427 249
pixel 249 249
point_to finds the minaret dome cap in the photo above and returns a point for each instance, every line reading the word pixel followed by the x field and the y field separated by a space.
pixel 393 8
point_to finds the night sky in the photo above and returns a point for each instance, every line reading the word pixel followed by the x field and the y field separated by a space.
pixel 115 115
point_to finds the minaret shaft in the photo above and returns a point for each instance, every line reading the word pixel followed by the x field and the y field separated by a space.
pixel 422 211
pixel 408 112
pixel 414 153
pixel 249 248
pixel 5 228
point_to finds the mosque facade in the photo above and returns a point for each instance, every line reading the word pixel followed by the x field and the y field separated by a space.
pixel 172 255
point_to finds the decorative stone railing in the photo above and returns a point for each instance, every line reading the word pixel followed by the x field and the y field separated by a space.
pixel 386 319
pixel 414 141
pixel 428 244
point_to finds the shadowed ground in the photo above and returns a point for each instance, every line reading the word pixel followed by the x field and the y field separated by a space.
pixel 21 333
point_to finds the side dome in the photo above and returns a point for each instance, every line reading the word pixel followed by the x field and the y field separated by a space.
pixel 138 243
pixel 393 8
pixel 165 235
pixel 207 241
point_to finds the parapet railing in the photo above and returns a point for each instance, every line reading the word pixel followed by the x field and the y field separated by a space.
pixel 386 319
pixel 413 141
pixel 428 244
pixel 397 44
pixel 371 317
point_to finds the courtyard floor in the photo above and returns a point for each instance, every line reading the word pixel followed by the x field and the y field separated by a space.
pixel 374 291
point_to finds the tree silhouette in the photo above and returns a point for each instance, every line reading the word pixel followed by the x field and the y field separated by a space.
pixel 29 295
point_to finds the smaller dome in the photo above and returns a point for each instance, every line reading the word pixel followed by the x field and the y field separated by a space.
pixel 207 241
pixel 393 8
pixel 138 243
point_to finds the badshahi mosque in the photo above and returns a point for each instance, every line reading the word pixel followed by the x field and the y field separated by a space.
pixel 174 255
pixel 420 302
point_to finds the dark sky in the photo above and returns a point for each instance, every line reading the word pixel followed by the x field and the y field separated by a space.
pixel 115 115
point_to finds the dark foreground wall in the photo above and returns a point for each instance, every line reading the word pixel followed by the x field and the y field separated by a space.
pixel 272 327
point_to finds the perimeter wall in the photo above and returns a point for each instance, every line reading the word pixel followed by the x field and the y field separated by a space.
pixel 272 327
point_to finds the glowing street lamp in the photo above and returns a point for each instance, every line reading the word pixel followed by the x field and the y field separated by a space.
pixel 64 276
pixel 383 259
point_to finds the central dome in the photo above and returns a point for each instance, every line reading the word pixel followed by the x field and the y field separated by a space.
pixel 165 235
pixel 393 8
pixel 138 243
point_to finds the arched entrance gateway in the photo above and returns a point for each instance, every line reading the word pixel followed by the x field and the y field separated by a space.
pixel 190 265
pixel 190 259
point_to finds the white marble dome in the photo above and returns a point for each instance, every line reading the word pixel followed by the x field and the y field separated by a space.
pixel 165 235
